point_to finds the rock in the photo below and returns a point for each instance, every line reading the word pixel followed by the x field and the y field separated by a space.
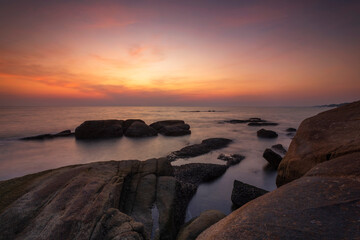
pixel 171 127
pixel 231 159
pixel 243 193
pixel 140 129
pixel 205 146
pixel 257 124
pixel 290 130
pixel 272 157
pixel 250 120
pixel 128 122
pixel 103 200
pixel 279 149
pixel 325 136
pixel 97 129
pixel 323 204
pixel 65 133
pixel 263 133
pixel 320 199
pixel 197 225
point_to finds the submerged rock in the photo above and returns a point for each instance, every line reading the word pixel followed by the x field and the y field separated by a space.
pixel 263 133
pixel 195 226
pixel 205 146
pixel 140 129
pixel 65 133
pixel 96 129
pixel 172 127
pixel 243 193
pixel 231 159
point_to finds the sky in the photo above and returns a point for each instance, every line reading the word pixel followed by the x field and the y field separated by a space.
pixel 187 53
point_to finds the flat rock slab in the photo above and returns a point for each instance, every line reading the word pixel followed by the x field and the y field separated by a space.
pixel 65 133
pixel 204 147
pixel 320 138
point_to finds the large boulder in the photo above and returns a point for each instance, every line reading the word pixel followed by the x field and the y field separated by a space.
pixel 95 129
pixel 205 146
pixel 320 138
pixel 104 200
pixel 323 204
pixel 140 129
pixel 320 199
pixel 172 127
pixel 243 193
pixel 195 226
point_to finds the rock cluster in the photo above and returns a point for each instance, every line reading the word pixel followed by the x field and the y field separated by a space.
pixel 96 129
pixel 320 193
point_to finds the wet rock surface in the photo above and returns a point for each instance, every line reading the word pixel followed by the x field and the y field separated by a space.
pixel 231 159
pixel 95 129
pixel 65 133
pixel 205 146
pixel 172 127
pixel 320 193
pixel 243 193
pixel 274 155
pixel 195 226
pixel 263 133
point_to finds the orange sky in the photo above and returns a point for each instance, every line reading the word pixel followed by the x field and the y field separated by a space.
pixel 172 53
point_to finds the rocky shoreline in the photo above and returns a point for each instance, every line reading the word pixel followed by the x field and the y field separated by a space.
pixel 318 195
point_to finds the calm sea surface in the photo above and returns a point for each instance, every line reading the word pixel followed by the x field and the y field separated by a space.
pixel 18 158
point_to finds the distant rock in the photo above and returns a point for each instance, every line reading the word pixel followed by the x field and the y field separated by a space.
pixel 195 226
pixel 205 146
pixel 263 133
pixel 96 129
pixel 232 159
pixel 66 133
pixel 127 123
pixel 333 105
pixel 171 127
pixel 250 120
pixel 140 129
pixel 291 129
pixel 257 124
pixel 243 193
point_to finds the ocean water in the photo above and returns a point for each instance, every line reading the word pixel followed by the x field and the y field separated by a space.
pixel 18 158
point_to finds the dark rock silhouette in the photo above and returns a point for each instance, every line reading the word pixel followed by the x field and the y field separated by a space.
pixel 172 127
pixel 263 133
pixel 99 129
pixel 243 193
pixel 274 155
pixel 65 133
pixel 140 129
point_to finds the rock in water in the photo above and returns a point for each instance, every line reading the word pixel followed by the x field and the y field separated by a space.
pixel 272 157
pixel 232 159
pixel 128 122
pixel 65 133
pixel 194 227
pixel 323 200
pixel 263 133
pixel 243 193
pixel 206 146
pixel 140 129
pixel 172 127
pixel 320 138
pixel 97 129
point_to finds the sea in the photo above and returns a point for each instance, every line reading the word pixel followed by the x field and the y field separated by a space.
pixel 18 157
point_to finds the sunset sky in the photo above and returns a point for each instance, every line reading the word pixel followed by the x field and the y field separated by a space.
pixel 204 53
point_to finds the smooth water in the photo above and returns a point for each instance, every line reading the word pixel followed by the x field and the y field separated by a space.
pixel 18 158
